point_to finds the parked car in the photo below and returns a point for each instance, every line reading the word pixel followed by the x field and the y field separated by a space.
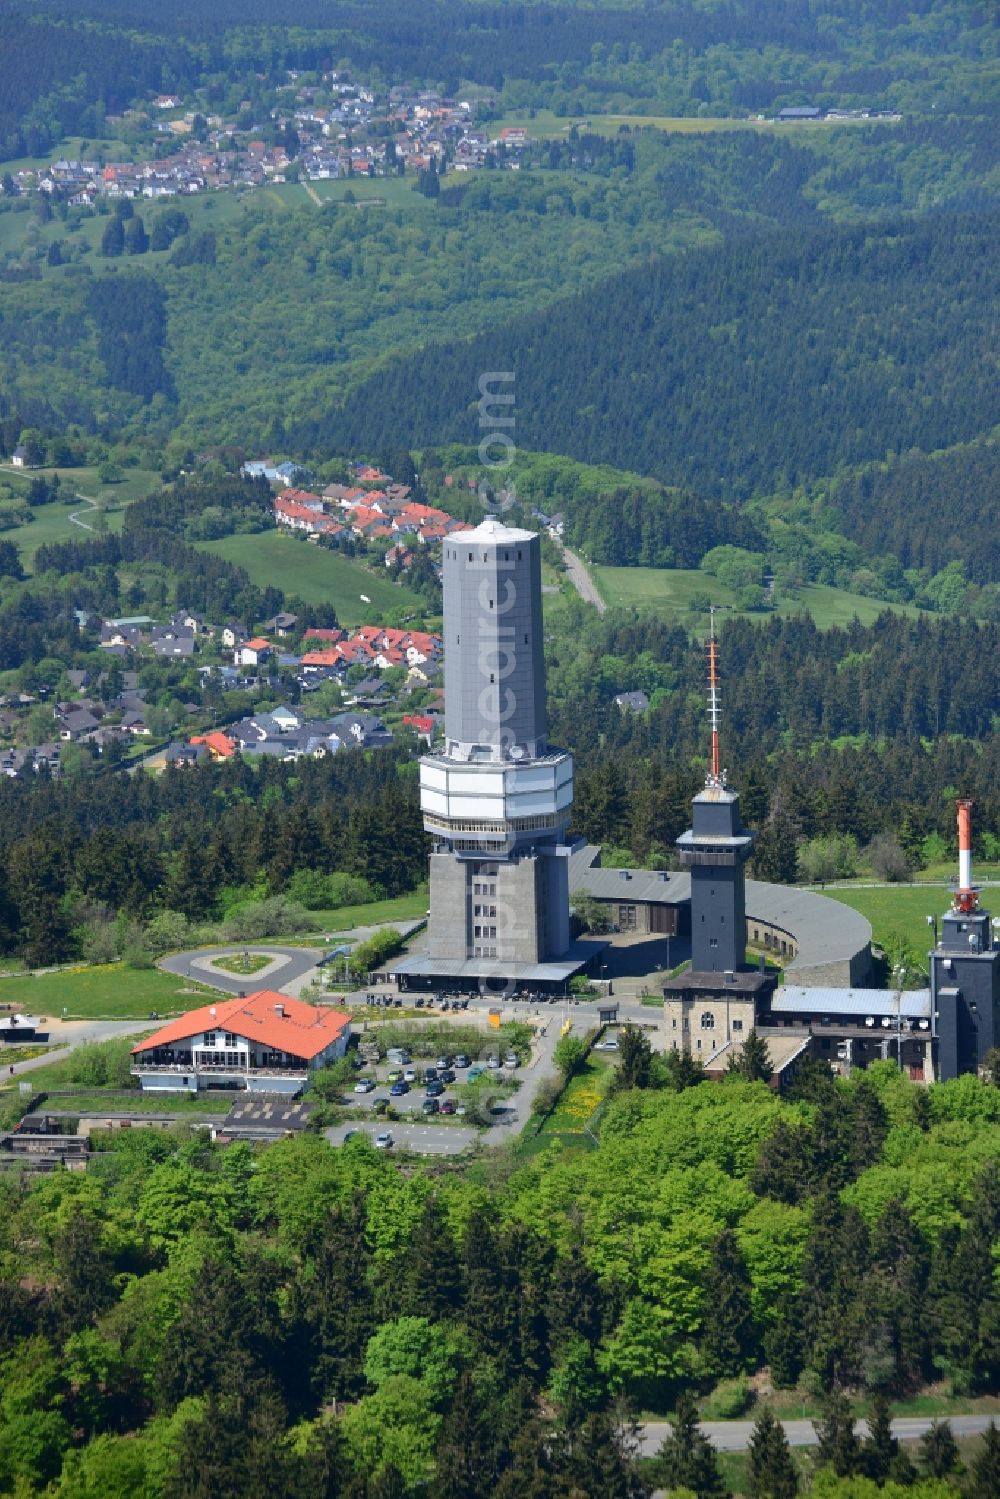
pixel 396 1075
pixel 409 1075
pixel 434 1090
pixel 364 1085
pixel 430 1074
pixel 475 1072
pixel 461 1060
pixel 430 1106
pixel 610 1043
pixel 510 1060
pixel 493 1061
pixel 444 1061
pixel 384 1142
pixel 398 1089
pixel 448 1106
pixel 446 1075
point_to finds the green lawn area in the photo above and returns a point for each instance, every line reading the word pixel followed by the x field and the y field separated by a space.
pixel 395 192
pixel 411 907
pixel 109 992
pixel 51 523
pixel 318 575
pixel 124 1101
pixel 237 963
pixel 581 1099
pixel 670 591
pixel 898 911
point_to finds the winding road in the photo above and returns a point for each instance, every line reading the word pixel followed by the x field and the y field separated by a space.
pixel 92 507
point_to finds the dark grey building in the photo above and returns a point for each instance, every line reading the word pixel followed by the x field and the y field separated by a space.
pixel 965 989
pixel 497 799
pixel 715 849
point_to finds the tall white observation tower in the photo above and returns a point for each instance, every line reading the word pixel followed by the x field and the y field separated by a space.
pixel 497 801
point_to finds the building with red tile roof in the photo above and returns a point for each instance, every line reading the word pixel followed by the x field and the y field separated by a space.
pixel 218 744
pixel 265 1042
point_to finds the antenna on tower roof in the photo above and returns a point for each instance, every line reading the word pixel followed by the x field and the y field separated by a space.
pixel 715 777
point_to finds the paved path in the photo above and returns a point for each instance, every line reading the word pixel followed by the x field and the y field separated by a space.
pixel 290 966
pixel 92 506
pixel 64 1035
pixel 576 571
pixel 734 1436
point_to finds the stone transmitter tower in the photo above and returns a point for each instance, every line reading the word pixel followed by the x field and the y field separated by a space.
pixel 497 801
pixel 715 849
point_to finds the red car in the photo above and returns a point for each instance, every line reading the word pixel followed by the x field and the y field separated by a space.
pixel 448 1107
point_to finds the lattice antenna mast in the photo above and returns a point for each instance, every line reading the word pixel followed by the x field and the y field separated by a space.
pixel 714 710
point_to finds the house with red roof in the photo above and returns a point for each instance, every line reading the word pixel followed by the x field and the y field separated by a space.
pixel 330 636
pixel 218 744
pixel 263 1042
pixel 253 652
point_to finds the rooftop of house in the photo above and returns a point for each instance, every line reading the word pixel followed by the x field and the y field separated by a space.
pixel 267 1017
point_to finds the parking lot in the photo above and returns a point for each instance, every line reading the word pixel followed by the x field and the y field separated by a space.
pixel 424 1139
pixel 411 1102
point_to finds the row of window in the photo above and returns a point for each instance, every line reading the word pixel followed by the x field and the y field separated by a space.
pixel 485 931
pixel 708 1023
pixel 212 1038
pixel 484 952
pixel 484 910
pixel 482 888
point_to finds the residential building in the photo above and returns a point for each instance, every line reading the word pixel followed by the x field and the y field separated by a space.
pixel 264 1042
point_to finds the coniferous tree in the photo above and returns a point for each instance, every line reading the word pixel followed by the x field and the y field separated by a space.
pixel 984 1475
pixel 752 1061
pixel 686 1459
pixel 880 1446
pixel 634 1058
pixel 770 1471
pixel 839 1447
pixel 939 1451
pixel 113 238
pixel 729 1337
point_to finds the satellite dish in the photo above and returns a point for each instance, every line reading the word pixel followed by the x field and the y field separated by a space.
pixel 517 753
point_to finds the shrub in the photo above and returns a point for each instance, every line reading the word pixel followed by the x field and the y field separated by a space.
pixel 730 1399
pixel 277 916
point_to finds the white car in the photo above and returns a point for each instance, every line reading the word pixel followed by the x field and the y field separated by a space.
pixel 610 1044
pixel 384 1142
pixel 364 1085
pixel 510 1060
pixel 410 1075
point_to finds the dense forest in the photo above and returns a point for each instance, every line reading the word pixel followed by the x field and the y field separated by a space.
pixel 767 361
pixel 69 59
pixel 314 1324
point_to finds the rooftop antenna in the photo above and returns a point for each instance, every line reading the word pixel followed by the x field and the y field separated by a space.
pixel 715 775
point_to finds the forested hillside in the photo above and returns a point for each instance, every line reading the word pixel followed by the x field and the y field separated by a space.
pixel 66 72
pixel 768 361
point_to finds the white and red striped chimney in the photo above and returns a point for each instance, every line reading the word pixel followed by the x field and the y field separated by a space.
pixel 964 805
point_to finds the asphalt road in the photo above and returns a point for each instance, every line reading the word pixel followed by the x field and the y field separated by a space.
pixel 734 1436
pixel 290 965
pixel 64 1035
pixel 581 580
pixel 425 1139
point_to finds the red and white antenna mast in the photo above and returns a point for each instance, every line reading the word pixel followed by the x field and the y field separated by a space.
pixel 715 777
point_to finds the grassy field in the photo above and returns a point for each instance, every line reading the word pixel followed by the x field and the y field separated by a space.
pixel 110 992
pixel 670 591
pixel 317 575
pixel 411 907
pixel 899 911
pixel 123 1101
pixel 51 523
